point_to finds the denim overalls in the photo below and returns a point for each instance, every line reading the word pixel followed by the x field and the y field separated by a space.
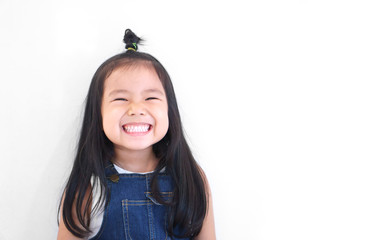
pixel 132 213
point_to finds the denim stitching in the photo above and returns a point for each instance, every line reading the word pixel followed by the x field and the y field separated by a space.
pixel 127 230
pixel 128 218
pixel 150 206
pixel 151 224
pixel 139 202
pixel 163 193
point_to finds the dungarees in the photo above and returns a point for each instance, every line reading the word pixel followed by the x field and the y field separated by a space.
pixel 132 213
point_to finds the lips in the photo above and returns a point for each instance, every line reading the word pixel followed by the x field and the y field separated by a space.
pixel 137 128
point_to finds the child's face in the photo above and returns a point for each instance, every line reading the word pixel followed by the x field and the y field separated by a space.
pixel 134 108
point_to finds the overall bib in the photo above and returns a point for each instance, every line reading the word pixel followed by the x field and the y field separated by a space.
pixel 132 213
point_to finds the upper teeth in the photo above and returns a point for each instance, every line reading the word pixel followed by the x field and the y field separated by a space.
pixel 137 128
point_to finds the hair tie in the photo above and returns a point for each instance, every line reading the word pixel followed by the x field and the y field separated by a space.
pixel 133 48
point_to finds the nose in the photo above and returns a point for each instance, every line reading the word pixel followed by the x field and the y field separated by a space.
pixel 136 109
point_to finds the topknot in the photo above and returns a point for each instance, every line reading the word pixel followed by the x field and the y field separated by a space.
pixel 131 40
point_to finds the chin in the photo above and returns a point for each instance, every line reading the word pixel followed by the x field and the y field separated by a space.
pixel 134 147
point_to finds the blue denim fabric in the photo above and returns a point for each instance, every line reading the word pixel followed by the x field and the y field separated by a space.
pixel 132 212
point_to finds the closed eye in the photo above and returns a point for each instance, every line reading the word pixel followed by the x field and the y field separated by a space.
pixel 120 99
pixel 152 98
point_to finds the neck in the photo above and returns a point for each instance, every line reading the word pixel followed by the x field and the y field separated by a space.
pixel 135 160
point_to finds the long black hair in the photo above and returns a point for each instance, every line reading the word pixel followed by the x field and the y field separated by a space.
pixel 188 207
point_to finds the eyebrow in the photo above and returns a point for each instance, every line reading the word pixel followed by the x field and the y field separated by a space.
pixel 150 90
pixel 153 90
pixel 117 91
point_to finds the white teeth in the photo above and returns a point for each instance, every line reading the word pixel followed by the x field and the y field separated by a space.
pixel 138 128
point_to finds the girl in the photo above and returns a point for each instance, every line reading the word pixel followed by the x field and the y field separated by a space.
pixel 134 176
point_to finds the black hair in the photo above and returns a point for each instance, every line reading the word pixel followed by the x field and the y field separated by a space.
pixel 188 207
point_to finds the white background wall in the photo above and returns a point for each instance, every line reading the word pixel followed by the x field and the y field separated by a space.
pixel 272 95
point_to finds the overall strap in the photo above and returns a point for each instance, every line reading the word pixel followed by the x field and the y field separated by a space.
pixel 111 173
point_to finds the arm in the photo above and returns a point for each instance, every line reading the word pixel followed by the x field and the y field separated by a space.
pixel 208 227
pixel 63 232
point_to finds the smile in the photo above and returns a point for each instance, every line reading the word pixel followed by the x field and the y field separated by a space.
pixel 136 128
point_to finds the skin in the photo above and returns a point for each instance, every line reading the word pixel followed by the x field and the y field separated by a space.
pixel 135 96
pixel 208 226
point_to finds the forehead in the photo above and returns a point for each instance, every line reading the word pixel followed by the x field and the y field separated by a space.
pixel 137 77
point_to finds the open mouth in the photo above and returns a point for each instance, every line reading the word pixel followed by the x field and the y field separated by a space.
pixel 137 128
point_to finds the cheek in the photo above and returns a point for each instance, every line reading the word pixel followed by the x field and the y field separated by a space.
pixel 111 119
pixel 163 119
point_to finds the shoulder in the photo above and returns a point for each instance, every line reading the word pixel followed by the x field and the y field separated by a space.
pixel 205 180
pixel 63 231
pixel 208 226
